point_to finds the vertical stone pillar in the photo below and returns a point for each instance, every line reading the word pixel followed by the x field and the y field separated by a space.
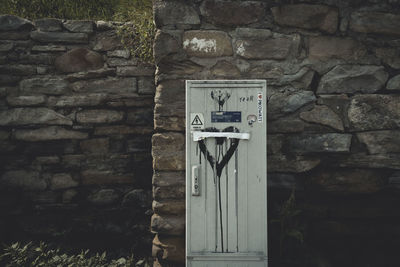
pixel 168 221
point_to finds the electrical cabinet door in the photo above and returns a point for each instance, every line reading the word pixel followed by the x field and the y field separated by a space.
pixel 226 173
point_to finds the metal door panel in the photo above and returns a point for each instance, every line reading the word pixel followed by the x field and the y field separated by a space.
pixel 233 205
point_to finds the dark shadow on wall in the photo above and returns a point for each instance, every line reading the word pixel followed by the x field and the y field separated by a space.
pixel 76 119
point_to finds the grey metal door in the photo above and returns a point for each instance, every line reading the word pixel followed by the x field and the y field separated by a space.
pixel 226 169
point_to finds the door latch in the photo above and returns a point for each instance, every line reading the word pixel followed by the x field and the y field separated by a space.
pixel 196 180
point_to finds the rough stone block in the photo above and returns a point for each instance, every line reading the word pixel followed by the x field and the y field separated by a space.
pixel 4 92
pixel 26 180
pixel 146 86
pixel 275 143
pixel 261 71
pixel 42 201
pixel 181 69
pixel 79 59
pixel 281 181
pixel 276 48
pixel 168 151
pixel 15 35
pixel 137 198
pixel 375 207
pixel 44 85
pixel 73 161
pixel 118 62
pixel 297 164
pixel 119 53
pixel 4 135
pixel 91 74
pixel 375 22
pixel 281 104
pixel 60 37
pixel 136 71
pixel 169 192
pixel 6 46
pixel 300 80
pixel 394 83
pixel 169 123
pixel 170 91
pixel 105 197
pixel 225 69
pixel 323 115
pixel 140 117
pixel 3 59
pixel 389 56
pixel 97 146
pixel 96 177
pixel 49 48
pixel 26 116
pixel 48 160
pixel 121 163
pixel 171 225
pixel 17 69
pixel 349 181
pixel 48 25
pixel 326 48
pixel 69 195
pixel 172 179
pixel 166 43
pixel 394 180
pixel 207 43
pixel 35 59
pixel 320 143
pixel 318 17
pixel 62 181
pixel 42 70
pixel 374 112
pixel 107 41
pixel 232 13
pixel 78 100
pixel 99 116
pixel 169 161
pixel 9 79
pixel 171 249
pixel 166 141
pixel 338 104
pixel 79 26
pixel 122 130
pixel 8 147
pixel 171 207
pixel 138 144
pixel 12 23
pixel 250 33
pixel 102 25
pixel 174 12
pixel 377 161
pixel 111 85
pixel 26 100
pixel 48 133
pixel 353 79
pixel 381 142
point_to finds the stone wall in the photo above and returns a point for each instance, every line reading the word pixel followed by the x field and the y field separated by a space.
pixel 332 71
pixel 76 118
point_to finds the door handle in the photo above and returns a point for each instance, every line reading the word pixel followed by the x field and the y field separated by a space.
pixel 196 180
